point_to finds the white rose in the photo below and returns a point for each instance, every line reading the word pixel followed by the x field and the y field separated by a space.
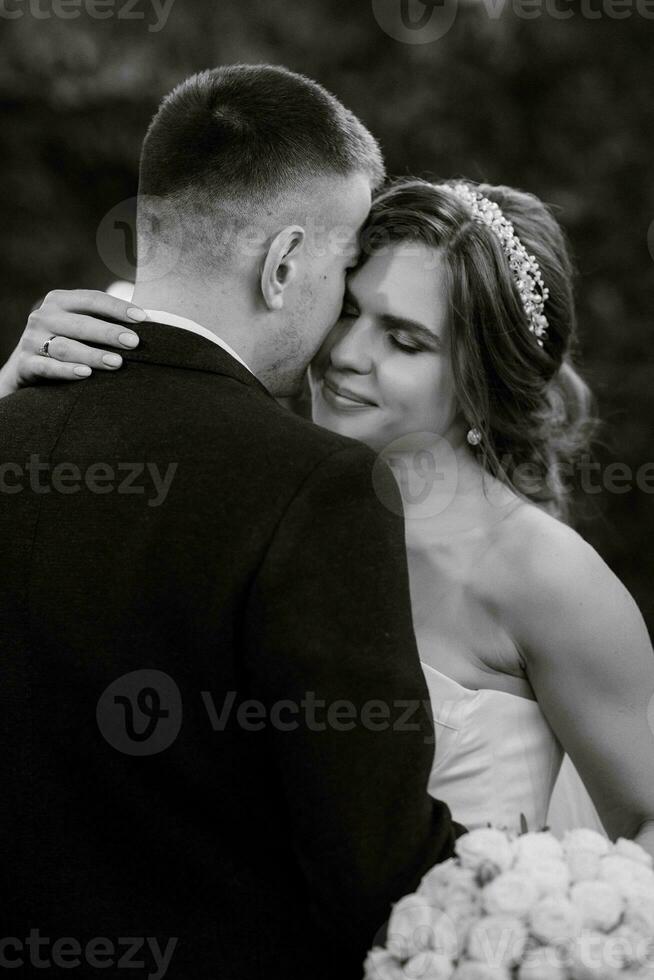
pixel 448 884
pixel 593 958
pixel 551 878
pixel 554 920
pixel 542 963
pixel 429 966
pixel 586 840
pixel 625 874
pixel 584 865
pixel 598 903
pixel 473 970
pixel 449 933
pixel 463 918
pixel 498 940
pixel 635 946
pixel 639 914
pixel 382 965
pixel 537 847
pixel 645 972
pixel 622 950
pixel 633 851
pixel 411 926
pixel 487 850
pixel 512 893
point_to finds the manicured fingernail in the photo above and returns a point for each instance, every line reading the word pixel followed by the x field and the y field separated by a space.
pixel 112 360
pixel 134 313
pixel 82 370
pixel 129 339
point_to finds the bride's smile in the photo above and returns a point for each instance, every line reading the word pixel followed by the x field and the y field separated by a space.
pixel 342 397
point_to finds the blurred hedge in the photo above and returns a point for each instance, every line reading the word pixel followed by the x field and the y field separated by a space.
pixel 560 107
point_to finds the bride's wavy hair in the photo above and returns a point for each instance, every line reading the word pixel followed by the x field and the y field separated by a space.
pixel 533 410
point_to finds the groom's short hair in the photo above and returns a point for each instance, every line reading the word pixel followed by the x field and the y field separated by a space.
pixel 252 132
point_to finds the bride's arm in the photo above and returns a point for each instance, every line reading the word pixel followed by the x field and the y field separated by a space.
pixel 76 318
pixel 591 665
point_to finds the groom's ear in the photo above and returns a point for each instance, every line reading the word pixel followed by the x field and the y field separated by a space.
pixel 280 265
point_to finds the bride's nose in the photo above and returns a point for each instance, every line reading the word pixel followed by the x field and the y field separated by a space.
pixel 353 349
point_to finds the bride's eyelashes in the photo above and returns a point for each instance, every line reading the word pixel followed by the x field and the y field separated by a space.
pixel 408 348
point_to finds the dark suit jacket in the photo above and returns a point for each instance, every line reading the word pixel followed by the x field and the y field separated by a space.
pixel 270 839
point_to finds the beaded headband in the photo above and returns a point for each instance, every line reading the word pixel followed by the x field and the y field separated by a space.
pixel 526 271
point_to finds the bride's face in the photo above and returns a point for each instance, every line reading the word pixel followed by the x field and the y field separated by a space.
pixel 384 371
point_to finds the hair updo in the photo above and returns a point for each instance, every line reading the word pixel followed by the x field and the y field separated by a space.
pixel 531 407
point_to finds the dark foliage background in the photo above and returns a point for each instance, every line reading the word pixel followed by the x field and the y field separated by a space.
pixel 562 107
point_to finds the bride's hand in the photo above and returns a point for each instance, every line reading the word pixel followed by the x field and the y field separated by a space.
pixel 75 318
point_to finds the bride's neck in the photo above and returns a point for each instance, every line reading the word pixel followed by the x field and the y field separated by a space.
pixel 460 496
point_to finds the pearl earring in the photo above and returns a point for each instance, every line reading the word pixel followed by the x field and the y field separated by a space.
pixel 474 437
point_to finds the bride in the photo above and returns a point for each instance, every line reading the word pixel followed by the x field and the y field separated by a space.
pixel 452 359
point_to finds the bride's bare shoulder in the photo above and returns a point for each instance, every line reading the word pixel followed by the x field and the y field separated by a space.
pixel 536 550
pixel 534 542
pixel 540 547
pixel 547 572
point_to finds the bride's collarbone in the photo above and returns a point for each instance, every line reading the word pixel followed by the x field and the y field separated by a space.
pixel 486 565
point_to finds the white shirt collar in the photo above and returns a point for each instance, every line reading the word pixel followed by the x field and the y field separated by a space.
pixel 172 320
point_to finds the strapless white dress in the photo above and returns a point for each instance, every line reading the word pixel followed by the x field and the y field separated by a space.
pixel 496 758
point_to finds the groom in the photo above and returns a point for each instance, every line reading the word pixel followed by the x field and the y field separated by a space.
pixel 216 739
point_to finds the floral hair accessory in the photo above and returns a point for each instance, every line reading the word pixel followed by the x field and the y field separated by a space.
pixel 526 271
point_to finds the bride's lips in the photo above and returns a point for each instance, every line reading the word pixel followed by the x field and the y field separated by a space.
pixel 342 397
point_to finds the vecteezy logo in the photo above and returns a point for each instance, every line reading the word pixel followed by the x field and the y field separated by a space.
pixel 423 19
pixel 426 472
pixel 116 239
pixel 140 713
pixel 415 21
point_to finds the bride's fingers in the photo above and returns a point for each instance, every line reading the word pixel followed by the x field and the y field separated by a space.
pixel 72 352
pixel 54 321
pixel 37 366
pixel 94 302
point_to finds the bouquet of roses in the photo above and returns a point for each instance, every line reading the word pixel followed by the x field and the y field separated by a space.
pixel 526 907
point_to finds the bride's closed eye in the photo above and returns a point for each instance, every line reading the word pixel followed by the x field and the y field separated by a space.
pixel 408 347
pixel 351 312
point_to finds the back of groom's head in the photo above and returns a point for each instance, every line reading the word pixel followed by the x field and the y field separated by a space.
pixel 253 131
pixel 255 183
